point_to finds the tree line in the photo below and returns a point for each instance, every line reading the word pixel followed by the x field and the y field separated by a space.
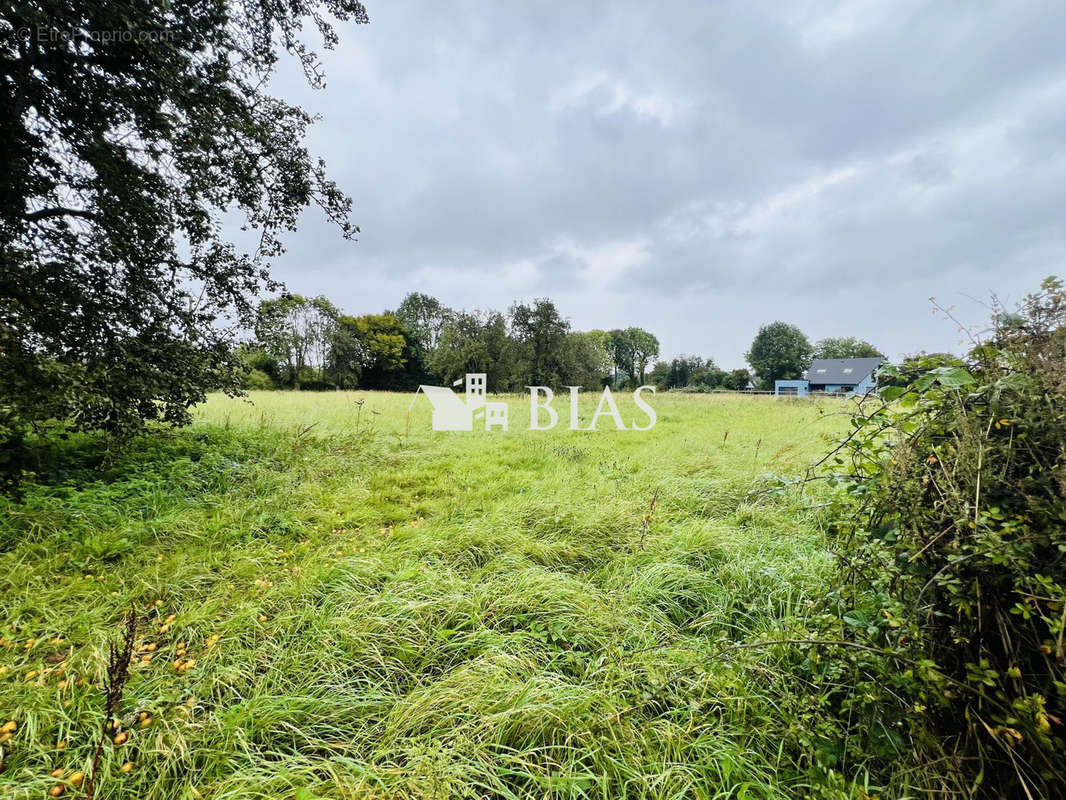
pixel 309 343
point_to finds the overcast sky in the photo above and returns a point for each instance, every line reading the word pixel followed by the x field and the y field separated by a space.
pixel 695 169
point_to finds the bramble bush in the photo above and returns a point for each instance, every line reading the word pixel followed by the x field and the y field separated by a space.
pixel 951 534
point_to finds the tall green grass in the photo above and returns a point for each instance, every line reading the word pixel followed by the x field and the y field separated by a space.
pixel 403 613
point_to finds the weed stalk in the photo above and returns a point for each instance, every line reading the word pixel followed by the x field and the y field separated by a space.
pixel 118 672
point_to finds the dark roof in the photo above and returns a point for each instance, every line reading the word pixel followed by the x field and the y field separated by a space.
pixel 841 370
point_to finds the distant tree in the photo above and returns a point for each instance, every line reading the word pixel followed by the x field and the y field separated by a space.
pixel 348 355
pixel 685 371
pixel 539 332
pixel 587 361
pixel 715 377
pixel 423 318
pixel 845 347
pixel 460 348
pixel 738 380
pixel 660 375
pixel 297 332
pixel 475 342
pixel 382 338
pixel 645 348
pixel 631 350
pixel 779 351
pixel 498 352
pixel 601 342
pixel 620 348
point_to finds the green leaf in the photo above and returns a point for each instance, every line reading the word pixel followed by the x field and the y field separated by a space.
pixel 925 381
pixel 856 619
pixel 953 377
pixel 891 393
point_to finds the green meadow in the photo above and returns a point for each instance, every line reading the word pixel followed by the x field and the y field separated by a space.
pixel 336 602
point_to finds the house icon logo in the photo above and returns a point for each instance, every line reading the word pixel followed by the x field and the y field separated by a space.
pixel 452 413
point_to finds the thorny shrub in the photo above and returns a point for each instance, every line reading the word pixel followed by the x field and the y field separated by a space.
pixel 951 534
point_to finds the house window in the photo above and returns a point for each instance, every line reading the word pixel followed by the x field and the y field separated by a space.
pixel 847 370
pixel 820 371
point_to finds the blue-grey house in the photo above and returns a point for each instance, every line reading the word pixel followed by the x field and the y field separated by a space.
pixel 836 375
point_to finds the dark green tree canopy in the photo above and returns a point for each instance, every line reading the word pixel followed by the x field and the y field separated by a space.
pixel 631 350
pixel 540 335
pixel 475 342
pixel 738 380
pixel 423 317
pixel 128 129
pixel 383 337
pixel 308 343
pixel 645 350
pixel 845 347
pixel 686 371
pixel 779 351
pixel 588 362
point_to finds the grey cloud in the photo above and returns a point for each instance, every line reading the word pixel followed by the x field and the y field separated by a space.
pixel 724 152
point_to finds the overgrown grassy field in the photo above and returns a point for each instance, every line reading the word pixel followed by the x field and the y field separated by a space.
pixel 359 607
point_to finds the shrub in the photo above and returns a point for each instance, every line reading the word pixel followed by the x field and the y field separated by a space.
pixel 317 386
pixel 257 379
pixel 953 576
